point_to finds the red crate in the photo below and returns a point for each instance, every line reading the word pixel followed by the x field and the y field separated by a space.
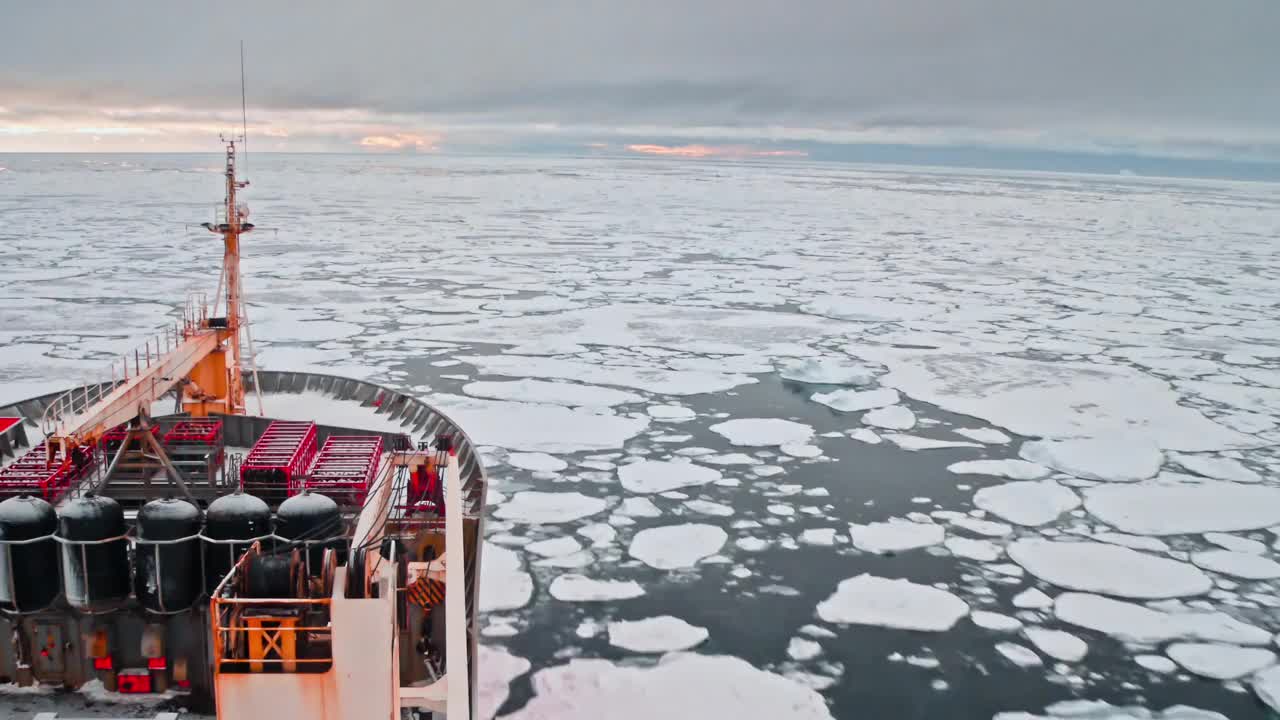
pixel 345 467
pixel 34 473
pixel 276 464
pixel 202 431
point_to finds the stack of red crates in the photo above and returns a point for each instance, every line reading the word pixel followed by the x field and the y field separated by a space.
pixel 197 432
pixel 114 438
pixel 345 467
pixel 34 474
pixel 275 466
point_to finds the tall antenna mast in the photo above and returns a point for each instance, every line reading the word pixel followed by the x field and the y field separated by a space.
pixel 244 114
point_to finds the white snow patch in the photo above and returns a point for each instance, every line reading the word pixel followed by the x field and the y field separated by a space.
pixel 1113 458
pixel 1156 508
pixel 532 506
pixel 901 604
pixel 857 400
pixel 579 588
pixel 658 476
pixel 1057 644
pixel 664 633
pixel 763 432
pixel 1129 622
pixel 1108 569
pixel 894 417
pixel 1027 502
pixel 504 585
pixel 1012 469
pixel 1237 564
pixel 676 546
pixel 1218 661
pixel 896 535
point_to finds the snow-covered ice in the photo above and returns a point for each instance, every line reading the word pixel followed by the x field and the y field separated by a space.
pixel 818 536
pixel 580 588
pixel 1219 468
pixel 895 535
pixel 763 432
pixel 857 400
pixel 533 428
pixel 707 507
pixel 1157 508
pixel 1019 655
pixel 537 462
pixel 1108 569
pixel 1219 661
pixel 1057 644
pixel 670 413
pixel 1129 622
pixel 664 633
pixel 550 392
pixel 638 507
pixel 659 476
pixel 826 371
pixel 991 436
pixel 893 417
pixel 895 603
pixel 1116 458
pixel 554 547
pixel 1027 502
pixel 915 442
pixel 676 546
pixel 1012 469
pixel 1032 599
pixel 1247 566
pixel 1156 663
pixel 980 550
pixel 1235 543
pixel 533 506
pixel 504 584
pixel 998 622
pixel 494 684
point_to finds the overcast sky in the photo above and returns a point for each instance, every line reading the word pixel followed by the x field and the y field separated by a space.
pixel 1162 76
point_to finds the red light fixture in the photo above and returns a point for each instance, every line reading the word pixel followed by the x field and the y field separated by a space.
pixel 156 663
pixel 102 663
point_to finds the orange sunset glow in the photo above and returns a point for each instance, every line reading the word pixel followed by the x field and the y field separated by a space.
pixel 709 151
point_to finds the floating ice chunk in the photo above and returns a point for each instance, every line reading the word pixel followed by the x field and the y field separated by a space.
pixel 670 413
pixel 587 629
pixel 1012 469
pixel 896 535
pixel 664 633
pixel 995 621
pixel 781 510
pixel 493 497
pixel 816 631
pixel 499 630
pixel 767 470
pixel 1155 508
pixel 988 528
pixel 867 309
pixel 571 561
pixel 579 588
pixel 763 432
pixel 494 684
pixel 554 547
pixel 818 536
pixel 802 649
pixel 1266 685
pixel 1032 599
pixel 894 417
pixel 826 371
pixel 504 585
pixel 801 450
pixel 658 476
pixel 1156 663
pixel 1027 502
pixel 980 550
pixel 1219 468
pixel 1019 655
pixel 1137 542
pixel 676 546
pixel 901 604
pixel 1109 569
pixel 866 435
pixel 1128 622
pixel 546 428
pixel 730 459
pixel 639 507
pixel 1057 644
pixel 1099 710
pixel 915 442
pixel 590 689
pixel 751 544
pixel 1235 543
pixel 532 506
pixel 650 379
pixel 991 436
pixel 536 461
pixel 1114 458
pixel 551 393
pixel 857 400
pixel 1237 564
pixel 706 507
pixel 1218 661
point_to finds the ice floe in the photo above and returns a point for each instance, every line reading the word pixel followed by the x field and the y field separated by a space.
pixel 546 428
pixel 1219 661
pixel 893 417
pixel 980 550
pixel 659 476
pixel 987 528
pixel 579 588
pixel 1236 543
pixel 866 435
pixel 532 506
pixel 598 533
pixel 895 603
pixel 803 649
pixel 679 685
pixel 1099 710
pixel 638 507
pixel 676 546
pixel 1012 469
pixel 988 620
pixel 763 432
pixel 990 436
pixel 650 379
pixel 1237 564
pixel 664 633
pixel 1114 458
pixel 554 547
pixel 1057 644
pixel 1266 684
pixel 895 535
pixel 1027 502
pixel 1108 569
pixel 536 461
pixel 1019 655
pixel 1219 468
pixel 818 536
pixel 549 392
pixel 801 450
pixel 670 413
pixel 494 684
pixel 504 585
pixel 1137 542
pixel 857 400
pixel 1156 663
pixel 729 459
pixel 707 507
pixel 826 371
pixel 1156 508
pixel 1032 599
pixel 915 442
pixel 1129 622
